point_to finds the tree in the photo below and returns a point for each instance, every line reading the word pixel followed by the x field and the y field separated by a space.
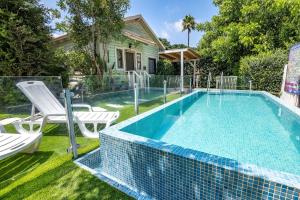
pixel 188 24
pixel 178 46
pixel 165 42
pixel 91 23
pixel 168 45
pixel 248 27
pixel 25 40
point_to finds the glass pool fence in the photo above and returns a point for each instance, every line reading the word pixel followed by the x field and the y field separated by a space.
pixel 121 93
pixel 115 92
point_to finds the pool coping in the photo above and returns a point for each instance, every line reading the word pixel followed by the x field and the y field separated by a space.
pixel 288 179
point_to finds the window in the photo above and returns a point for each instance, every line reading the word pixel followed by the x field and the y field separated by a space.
pixel 138 61
pixel 152 65
pixel 119 58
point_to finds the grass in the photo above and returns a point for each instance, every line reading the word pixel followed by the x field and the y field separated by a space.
pixel 50 172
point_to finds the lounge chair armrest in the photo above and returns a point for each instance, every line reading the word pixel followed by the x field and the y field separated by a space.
pixel 7 121
pixel 83 106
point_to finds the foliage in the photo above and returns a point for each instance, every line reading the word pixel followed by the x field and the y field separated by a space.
pixel 9 94
pixel 168 45
pixel 178 46
pixel 248 27
pixel 188 24
pixel 165 42
pixel 265 70
pixel 25 41
pixel 91 23
pixel 74 60
pixel 165 67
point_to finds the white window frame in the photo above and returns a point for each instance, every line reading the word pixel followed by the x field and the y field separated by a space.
pixel 135 52
pixel 122 68
pixel 148 64
pixel 136 63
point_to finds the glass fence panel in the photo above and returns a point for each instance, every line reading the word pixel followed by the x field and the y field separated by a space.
pixel 43 91
pixel 13 100
pixel 110 91
pixel 229 82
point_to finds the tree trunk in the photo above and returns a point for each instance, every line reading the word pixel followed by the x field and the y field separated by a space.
pixel 189 38
pixel 94 52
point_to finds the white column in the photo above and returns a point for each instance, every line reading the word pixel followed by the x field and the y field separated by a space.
pixel 181 71
pixel 194 73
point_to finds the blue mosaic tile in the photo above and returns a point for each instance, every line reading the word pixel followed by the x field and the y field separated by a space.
pixel 150 169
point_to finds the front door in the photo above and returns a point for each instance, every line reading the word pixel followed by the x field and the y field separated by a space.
pixel 129 61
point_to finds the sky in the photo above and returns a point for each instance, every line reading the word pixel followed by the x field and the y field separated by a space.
pixel 165 16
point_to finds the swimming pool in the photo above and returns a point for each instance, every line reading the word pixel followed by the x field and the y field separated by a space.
pixel 248 128
pixel 205 146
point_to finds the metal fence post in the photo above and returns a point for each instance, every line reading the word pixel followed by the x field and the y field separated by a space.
pixel 136 98
pixel 70 123
pixel 82 94
pixel 148 84
pixel 208 81
pixel 197 81
pixel 250 85
pixel 190 84
pixel 165 91
pixel 221 87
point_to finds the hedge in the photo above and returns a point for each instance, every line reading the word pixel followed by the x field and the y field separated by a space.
pixel 265 70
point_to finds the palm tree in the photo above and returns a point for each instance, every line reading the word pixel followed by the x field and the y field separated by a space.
pixel 188 24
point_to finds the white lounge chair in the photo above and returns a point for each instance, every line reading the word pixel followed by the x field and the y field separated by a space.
pixel 53 111
pixel 10 144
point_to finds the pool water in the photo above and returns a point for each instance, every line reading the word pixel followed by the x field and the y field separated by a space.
pixel 251 129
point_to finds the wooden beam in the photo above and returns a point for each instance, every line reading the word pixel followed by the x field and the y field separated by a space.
pixel 190 55
pixel 168 56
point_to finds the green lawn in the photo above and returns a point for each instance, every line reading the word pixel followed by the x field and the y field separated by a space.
pixel 50 172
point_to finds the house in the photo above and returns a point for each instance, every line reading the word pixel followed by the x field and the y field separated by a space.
pixel 139 51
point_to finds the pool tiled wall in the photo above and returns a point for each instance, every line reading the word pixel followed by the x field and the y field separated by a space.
pixel 166 172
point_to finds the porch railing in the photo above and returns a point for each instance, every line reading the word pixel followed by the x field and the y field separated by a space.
pixel 133 77
pixel 226 82
pixel 145 79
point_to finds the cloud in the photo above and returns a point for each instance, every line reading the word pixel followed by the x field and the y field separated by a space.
pixel 174 26
pixel 164 34
pixel 169 28
pixel 178 25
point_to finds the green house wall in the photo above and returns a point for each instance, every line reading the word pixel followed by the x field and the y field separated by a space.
pixel 147 50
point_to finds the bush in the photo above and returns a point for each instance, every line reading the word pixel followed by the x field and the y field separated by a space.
pixel 265 70
pixel 165 67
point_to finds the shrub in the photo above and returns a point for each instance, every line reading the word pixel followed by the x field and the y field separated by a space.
pixel 165 67
pixel 265 70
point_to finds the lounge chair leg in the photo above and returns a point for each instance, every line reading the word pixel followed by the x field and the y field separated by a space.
pixel 33 147
pixel 86 132
pixel 107 124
